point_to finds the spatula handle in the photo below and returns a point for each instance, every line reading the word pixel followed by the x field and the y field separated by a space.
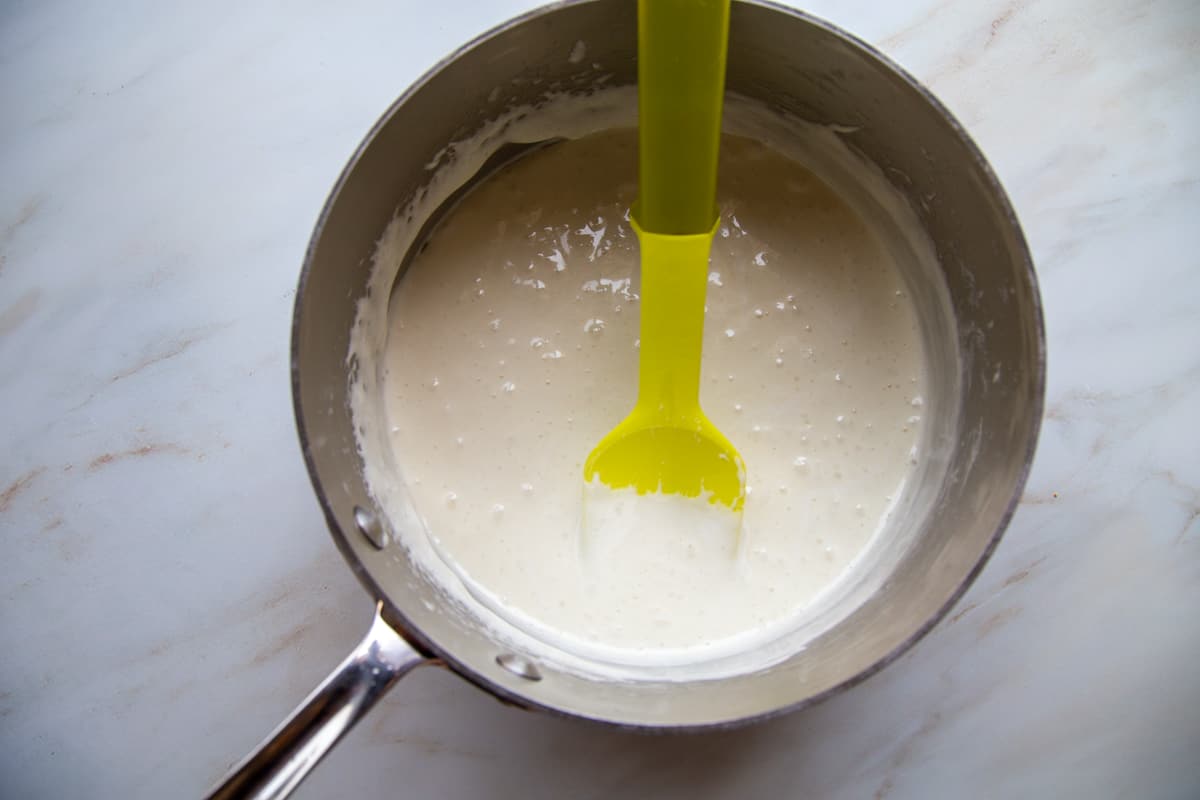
pixel 681 82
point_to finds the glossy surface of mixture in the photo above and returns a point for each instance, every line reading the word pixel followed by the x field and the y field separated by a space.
pixel 512 348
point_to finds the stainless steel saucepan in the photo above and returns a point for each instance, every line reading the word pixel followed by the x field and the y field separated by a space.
pixel 980 319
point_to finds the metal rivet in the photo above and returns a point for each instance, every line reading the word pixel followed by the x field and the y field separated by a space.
pixel 520 666
pixel 369 526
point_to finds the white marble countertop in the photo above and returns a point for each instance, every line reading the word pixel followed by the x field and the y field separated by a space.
pixel 167 587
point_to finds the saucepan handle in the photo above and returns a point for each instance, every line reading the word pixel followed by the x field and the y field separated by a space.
pixel 281 762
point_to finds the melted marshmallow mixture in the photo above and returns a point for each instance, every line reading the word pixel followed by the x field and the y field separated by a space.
pixel 512 349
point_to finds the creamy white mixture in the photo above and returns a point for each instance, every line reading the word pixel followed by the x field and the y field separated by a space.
pixel 511 348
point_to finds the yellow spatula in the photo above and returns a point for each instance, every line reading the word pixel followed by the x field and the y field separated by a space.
pixel 666 443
